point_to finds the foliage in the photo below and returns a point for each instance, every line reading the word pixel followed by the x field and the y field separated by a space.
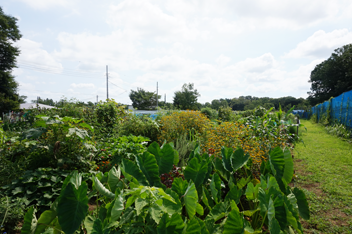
pixel 186 99
pixel 11 213
pixel 209 113
pixel 332 77
pixel 225 114
pixel 138 203
pixel 39 187
pixel 339 130
pixel 140 125
pixel 180 123
pixel 9 34
pixel 112 150
pixel 143 100
pixel 109 114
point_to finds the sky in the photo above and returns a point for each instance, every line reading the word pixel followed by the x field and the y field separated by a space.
pixel 226 48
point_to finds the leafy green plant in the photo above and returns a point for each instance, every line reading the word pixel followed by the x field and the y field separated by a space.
pixel 109 114
pixel 11 213
pixel 39 187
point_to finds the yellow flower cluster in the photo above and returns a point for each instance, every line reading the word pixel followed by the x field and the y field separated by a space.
pixel 180 123
pixel 237 135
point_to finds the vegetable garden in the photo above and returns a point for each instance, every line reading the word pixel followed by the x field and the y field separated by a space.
pixel 105 170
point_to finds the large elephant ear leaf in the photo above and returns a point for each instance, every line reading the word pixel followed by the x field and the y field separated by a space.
pixel 102 190
pixel 72 207
pixel 114 179
pixel 148 165
pixel 164 157
pixel 234 223
pixel 30 221
pixel 133 170
pixel 196 171
pixel 239 159
pixel 226 154
pixel 288 171
pixel 277 164
pixel 191 200
pixel 302 203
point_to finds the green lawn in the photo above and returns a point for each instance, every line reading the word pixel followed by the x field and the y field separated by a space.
pixel 323 166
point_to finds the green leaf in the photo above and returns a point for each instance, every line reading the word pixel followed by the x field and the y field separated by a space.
pixel 243 182
pixel 224 174
pixel 277 163
pixel 196 171
pixel 271 210
pixel 30 222
pixel 156 212
pixel 169 206
pixel 76 179
pixel 113 179
pixel 148 165
pixel 226 154
pixel 44 220
pixel 288 171
pixel 88 223
pixel 234 194
pixel 118 207
pixel 205 198
pixel 203 227
pixel 102 190
pixel 176 220
pixel 97 227
pixel 234 223
pixel 199 209
pixel 193 226
pixel 133 170
pixel 81 133
pixel 179 186
pixel 72 207
pixel 239 159
pixel 191 199
pixel 302 203
pixel 274 227
pixel 164 157
pixel 215 187
pixel 218 212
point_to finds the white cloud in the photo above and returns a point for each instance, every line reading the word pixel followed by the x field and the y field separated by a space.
pixel 32 54
pixel 83 85
pixel 321 44
pixel 45 4
pixel 257 65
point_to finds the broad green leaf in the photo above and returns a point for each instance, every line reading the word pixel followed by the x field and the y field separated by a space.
pixel 302 203
pixel 196 171
pixel 127 216
pixel 97 227
pixel 234 223
pixel 234 194
pixel 224 174
pixel 249 213
pixel 140 203
pixel 76 179
pixel 163 226
pixel 288 171
pixel 191 200
pixel 271 210
pixel 72 207
pixel 199 209
pixel 280 211
pixel 88 223
pixel 102 190
pixel 133 170
pixel 179 186
pixel 113 179
pixel 215 187
pixel 219 211
pixel 171 207
pixel 30 222
pixel 291 220
pixel 203 228
pixel 277 163
pixel 205 198
pixel 118 207
pixel 176 220
pixel 164 157
pixel 155 212
pixel 274 227
pixel 239 159
pixel 243 182
pixel 193 226
pixel 226 154
pixel 44 220
pixel 81 133
pixel 148 165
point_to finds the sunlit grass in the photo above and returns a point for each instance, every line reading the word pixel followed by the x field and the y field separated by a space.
pixel 324 168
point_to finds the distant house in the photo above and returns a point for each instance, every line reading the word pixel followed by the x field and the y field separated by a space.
pixel 34 105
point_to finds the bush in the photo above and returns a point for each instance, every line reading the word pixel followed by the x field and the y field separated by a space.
pixel 225 114
pixel 180 123
pixel 11 213
pixel 140 126
pixel 209 112
pixel 109 114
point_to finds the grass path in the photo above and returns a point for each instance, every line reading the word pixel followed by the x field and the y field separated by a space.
pixel 324 170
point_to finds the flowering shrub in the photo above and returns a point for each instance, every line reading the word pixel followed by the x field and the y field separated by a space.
pixel 179 123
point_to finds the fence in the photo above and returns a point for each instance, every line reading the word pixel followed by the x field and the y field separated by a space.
pixel 338 109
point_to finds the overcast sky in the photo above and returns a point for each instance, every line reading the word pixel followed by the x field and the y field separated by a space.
pixel 227 48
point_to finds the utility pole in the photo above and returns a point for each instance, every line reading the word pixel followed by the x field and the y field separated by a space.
pixel 107 83
pixel 97 99
pixel 157 95
pixel 165 98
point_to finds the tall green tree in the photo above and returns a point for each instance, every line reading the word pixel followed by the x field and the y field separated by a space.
pixel 332 77
pixel 187 98
pixel 143 100
pixel 9 34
